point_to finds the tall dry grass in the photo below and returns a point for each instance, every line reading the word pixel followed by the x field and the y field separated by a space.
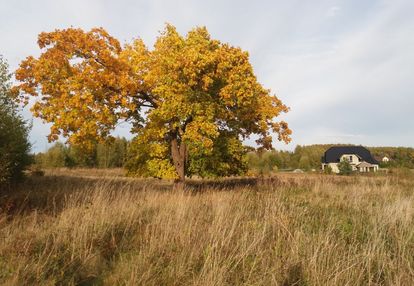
pixel 289 230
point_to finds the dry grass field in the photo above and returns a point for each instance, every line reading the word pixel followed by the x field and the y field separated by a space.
pixel 88 227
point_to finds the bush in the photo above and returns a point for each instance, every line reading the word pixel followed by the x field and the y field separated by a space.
pixel 345 167
pixel 327 170
pixel 14 144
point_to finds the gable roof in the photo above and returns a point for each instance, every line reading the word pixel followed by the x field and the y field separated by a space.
pixel 333 154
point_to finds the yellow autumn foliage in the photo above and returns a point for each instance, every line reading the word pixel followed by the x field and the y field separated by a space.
pixel 187 89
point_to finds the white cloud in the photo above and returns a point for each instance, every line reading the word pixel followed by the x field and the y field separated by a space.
pixel 333 11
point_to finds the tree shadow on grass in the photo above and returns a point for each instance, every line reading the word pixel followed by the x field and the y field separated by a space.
pixel 47 194
pixel 227 184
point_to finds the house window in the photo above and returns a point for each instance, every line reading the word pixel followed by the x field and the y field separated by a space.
pixel 350 158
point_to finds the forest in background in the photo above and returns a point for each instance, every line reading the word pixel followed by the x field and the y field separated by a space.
pixel 103 155
pixel 115 155
pixel 309 157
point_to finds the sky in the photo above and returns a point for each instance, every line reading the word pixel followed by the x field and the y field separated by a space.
pixel 344 67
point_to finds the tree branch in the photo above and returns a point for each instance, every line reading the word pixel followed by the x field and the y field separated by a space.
pixel 186 122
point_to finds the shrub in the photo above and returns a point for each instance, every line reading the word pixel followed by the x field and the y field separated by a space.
pixel 345 167
pixel 14 144
pixel 327 170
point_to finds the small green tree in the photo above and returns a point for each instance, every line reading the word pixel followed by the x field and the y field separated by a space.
pixel 345 167
pixel 327 170
pixel 14 145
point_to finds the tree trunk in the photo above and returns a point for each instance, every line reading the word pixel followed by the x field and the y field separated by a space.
pixel 179 153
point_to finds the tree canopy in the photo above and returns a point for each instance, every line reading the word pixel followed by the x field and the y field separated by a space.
pixel 190 97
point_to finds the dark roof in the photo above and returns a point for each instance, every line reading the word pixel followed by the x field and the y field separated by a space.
pixel 333 154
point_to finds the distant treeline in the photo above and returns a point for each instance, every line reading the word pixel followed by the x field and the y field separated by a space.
pixel 309 157
pixel 400 157
pixel 115 154
pixel 104 155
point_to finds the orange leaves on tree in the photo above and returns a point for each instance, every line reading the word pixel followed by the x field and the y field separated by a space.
pixel 188 90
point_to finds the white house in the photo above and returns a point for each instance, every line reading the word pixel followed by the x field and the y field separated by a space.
pixel 359 158
pixel 385 159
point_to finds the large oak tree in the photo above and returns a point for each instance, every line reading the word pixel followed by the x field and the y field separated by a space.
pixel 187 97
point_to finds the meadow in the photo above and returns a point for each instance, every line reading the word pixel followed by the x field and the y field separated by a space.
pixel 94 227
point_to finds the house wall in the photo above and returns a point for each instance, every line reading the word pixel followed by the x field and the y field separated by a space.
pixel 352 158
pixel 375 168
pixel 334 167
